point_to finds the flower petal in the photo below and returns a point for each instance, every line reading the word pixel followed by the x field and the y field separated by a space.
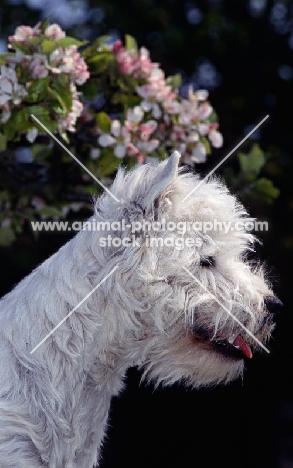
pixel 216 138
pixel 157 113
pixel 4 99
pixel 115 128
pixel 120 151
pixel 146 106
pixel 135 114
pixel 5 85
pixel 204 111
pixel 199 153
pixel 201 94
pixel 32 135
pixel 106 140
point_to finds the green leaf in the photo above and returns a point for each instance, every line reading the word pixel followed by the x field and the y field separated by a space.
pixel 43 116
pixel 104 57
pixel 40 152
pixel 90 90
pixel 206 144
pixel 266 189
pixel 130 43
pixel 38 90
pixel 107 163
pixel 64 135
pixel 4 56
pixel 39 111
pixel 4 196
pixel 50 212
pixel 21 47
pixel 174 81
pixel 103 121
pixel 45 24
pixel 61 94
pixel 9 130
pixel 48 46
pixel 69 41
pixel 3 142
pixel 92 49
pixel 57 97
pixel 18 122
pixel 253 161
pixel 64 95
pixel 100 41
pixel 35 41
pixel 7 236
pixel 213 118
pixel 127 100
pixel 62 79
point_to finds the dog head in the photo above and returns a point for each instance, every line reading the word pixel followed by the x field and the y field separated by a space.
pixel 195 306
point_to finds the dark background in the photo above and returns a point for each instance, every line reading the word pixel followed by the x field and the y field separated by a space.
pixel 242 52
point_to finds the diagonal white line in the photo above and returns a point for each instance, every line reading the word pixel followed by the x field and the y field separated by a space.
pixel 73 310
pixel 228 311
pixel 75 158
pixel 224 159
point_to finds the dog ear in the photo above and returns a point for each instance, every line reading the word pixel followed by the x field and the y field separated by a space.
pixel 165 174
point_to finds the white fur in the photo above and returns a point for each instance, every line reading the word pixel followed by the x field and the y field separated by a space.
pixel 54 403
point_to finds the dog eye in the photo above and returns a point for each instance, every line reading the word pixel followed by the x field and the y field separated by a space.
pixel 207 261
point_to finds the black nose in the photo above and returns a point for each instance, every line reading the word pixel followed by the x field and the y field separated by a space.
pixel 273 304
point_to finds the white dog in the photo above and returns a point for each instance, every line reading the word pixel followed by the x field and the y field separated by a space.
pixel 186 311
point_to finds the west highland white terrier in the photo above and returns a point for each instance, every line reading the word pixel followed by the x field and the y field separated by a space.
pixel 162 283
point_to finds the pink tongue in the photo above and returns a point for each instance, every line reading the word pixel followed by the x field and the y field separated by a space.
pixel 239 343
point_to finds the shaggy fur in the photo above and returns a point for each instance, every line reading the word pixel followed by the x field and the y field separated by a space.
pixel 149 313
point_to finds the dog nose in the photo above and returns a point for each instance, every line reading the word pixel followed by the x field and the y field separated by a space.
pixel 273 304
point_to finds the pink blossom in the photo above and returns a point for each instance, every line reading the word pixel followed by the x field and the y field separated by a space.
pixel 127 60
pixel 134 115
pixel 117 46
pixel 157 75
pixel 81 73
pixel 216 138
pixel 74 113
pixel 69 61
pixel 172 106
pixel 38 66
pixel 95 153
pixel 118 139
pixel 134 63
pixel 54 32
pixel 5 90
pixel 19 57
pixel 148 146
pixel 203 128
pixel 199 153
pixel 32 135
pixel 147 128
pixel 185 116
pixel 24 33
pixel 204 111
pixel 199 95
pixel 192 137
pixel 10 89
pixel 55 59
pixel 146 66
pixel 6 112
pixel 76 110
pixel 134 151
pixel 38 202
pixel 155 91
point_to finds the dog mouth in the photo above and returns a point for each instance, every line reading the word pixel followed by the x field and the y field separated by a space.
pixel 234 347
